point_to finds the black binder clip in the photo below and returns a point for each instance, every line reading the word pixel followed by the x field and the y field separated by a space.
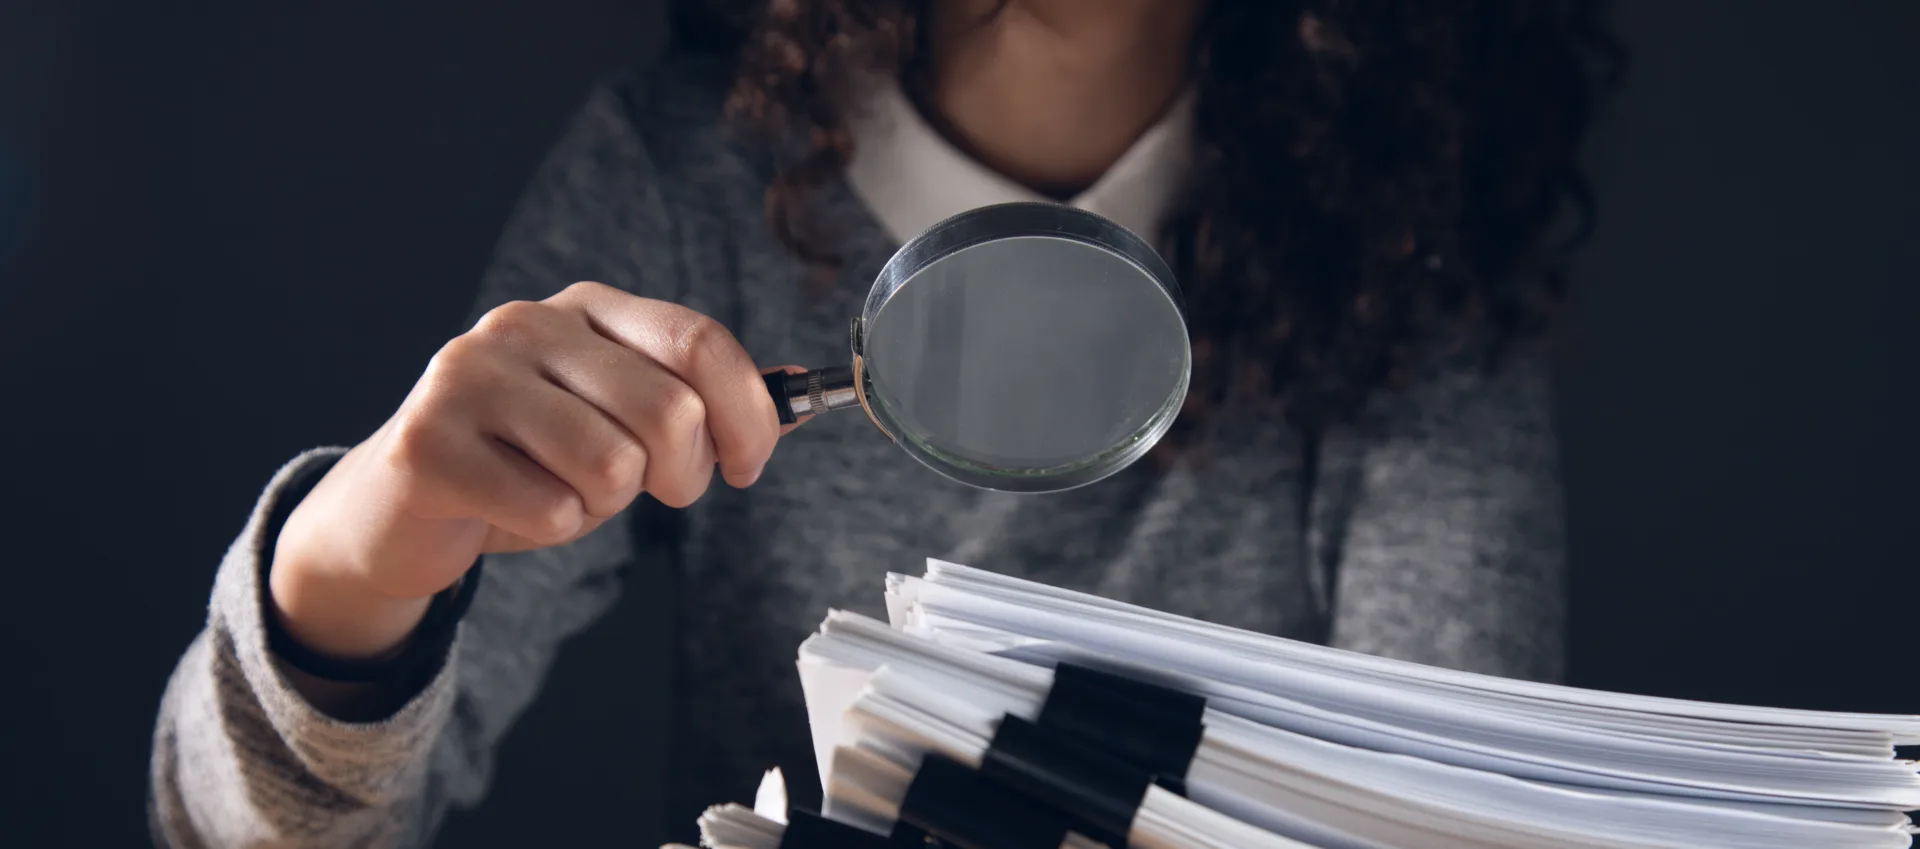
pixel 951 806
pixel 1099 793
pixel 808 830
pixel 1102 739
pixel 1153 727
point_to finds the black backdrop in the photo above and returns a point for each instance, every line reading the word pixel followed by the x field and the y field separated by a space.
pixel 233 232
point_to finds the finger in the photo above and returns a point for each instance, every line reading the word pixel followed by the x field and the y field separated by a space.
pixel 445 468
pixel 666 416
pixel 551 515
pixel 669 417
pixel 740 415
pixel 599 458
pixel 678 434
pixel 661 411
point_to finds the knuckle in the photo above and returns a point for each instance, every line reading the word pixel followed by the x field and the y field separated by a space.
pixel 412 446
pixel 555 521
pixel 512 321
pixel 459 369
pixel 615 471
pixel 702 341
pixel 456 357
pixel 681 412
pixel 582 290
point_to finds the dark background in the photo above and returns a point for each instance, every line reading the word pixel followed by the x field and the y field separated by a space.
pixel 233 232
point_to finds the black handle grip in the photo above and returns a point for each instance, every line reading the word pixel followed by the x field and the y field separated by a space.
pixel 780 386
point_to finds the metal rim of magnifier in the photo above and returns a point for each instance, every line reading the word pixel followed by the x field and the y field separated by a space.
pixel 1007 221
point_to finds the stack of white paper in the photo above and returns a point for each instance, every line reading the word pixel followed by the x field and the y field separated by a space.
pixel 1306 746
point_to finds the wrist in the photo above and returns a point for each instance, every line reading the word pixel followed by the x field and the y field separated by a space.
pixel 336 615
pixel 355 652
pixel 327 603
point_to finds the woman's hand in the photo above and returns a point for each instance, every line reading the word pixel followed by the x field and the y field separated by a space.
pixel 543 421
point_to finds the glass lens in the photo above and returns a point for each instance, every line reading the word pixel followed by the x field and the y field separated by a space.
pixel 1031 355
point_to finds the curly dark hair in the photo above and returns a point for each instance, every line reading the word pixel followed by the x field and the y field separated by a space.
pixel 1377 178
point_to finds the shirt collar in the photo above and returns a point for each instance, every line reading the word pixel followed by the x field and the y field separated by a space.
pixel 911 178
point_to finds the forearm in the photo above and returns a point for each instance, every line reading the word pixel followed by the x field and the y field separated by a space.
pixel 242 758
pixel 246 753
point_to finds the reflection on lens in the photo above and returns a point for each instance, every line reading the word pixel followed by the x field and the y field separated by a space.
pixel 1028 355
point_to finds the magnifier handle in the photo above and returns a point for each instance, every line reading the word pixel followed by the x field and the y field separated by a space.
pixel 811 393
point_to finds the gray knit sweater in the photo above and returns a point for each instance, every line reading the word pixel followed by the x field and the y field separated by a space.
pixel 1430 530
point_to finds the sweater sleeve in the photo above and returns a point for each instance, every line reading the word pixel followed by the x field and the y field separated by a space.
pixel 1448 543
pixel 241 759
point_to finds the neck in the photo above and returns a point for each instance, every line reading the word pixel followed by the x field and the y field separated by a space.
pixel 1051 93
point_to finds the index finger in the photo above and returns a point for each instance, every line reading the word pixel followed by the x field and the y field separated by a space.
pixel 701 352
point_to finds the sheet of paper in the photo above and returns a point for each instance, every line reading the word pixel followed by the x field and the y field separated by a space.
pixel 1308 746
pixel 1323 793
pixel 1374 711
pixel 829 690
pixel 1904 730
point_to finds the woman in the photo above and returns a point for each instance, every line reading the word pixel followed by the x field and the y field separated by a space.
pixel 1358 197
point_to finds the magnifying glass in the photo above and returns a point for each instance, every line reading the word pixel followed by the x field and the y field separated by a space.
pixel 1022 347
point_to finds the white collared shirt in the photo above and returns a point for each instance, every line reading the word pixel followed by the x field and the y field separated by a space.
pixel 911 178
